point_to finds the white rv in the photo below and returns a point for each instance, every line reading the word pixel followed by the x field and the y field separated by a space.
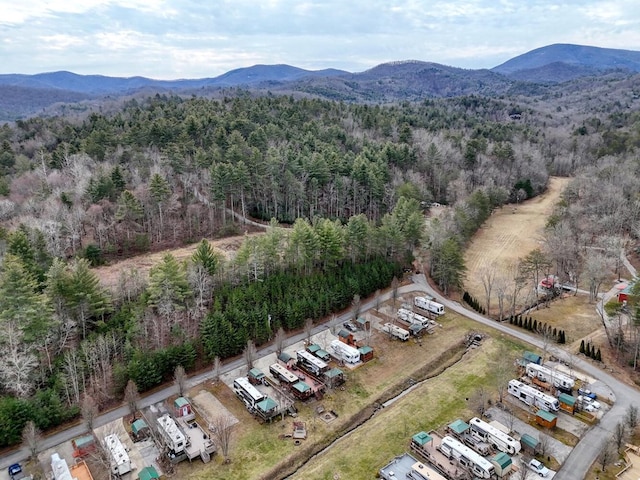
pixel 173 437
pixel 531 396
pixel 396 331
pixel 429 305
pixel 490 434
pixel 478 465
pixel 120 462
pixel 345 352
pixel 557 379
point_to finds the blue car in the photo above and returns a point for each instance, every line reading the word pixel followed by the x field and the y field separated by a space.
pixel 587 393
pixel 15 472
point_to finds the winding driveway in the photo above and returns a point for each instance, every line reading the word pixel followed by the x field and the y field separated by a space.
pixel 575 467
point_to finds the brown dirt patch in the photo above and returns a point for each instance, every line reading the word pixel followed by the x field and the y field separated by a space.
pixel 109 274
pixel 509 234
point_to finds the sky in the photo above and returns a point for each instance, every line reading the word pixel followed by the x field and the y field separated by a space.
pixel 171 39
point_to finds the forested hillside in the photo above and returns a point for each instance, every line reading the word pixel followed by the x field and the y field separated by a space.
pixel 352 182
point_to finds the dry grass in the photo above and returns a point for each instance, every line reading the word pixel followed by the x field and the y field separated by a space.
pixel 573 314
pixel 510 234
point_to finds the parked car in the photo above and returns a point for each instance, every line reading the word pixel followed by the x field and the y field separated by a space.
pixel 538 467
pixel 587 393
pixel 15 472
pixel 589 404
pixel 350 326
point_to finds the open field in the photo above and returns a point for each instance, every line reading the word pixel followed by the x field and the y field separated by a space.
pixel 110 274
pixel 509 234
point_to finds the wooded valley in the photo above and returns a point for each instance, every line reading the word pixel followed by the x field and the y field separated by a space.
pixel 342 189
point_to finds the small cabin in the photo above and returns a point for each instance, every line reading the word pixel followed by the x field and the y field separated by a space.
pixel 503 464
pixel 546 419
pixel 182 407
pixel 287 360
pixel 567 403
pixel 83 446
pixel 363 324
pixel 255 376
pixel 366 353
pixel 529 444
pixel 345 336
pixel 623 295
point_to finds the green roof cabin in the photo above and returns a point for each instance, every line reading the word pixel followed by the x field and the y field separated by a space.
pixel 567 402
pixel 148 473
pixel 301 390
pixel 503 464
pixel 421 439
pixel 140 429
pixel 529 444
pixel 255 376
pixel 182 407
pixel 366 353
pixel 335 377
pixel 546 419
pixel 267 408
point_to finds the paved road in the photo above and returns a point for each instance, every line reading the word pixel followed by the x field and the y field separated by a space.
pixel 578 463
pixel 574 468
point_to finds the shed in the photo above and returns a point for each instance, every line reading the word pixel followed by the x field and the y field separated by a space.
pixel 301 390
pixel 458 427
pixel 502 463
pixel 182 407
pixel 546 419
pixel 529 444
pixel 366 353
pixel 334 377
pixel 140 429
pixel 83 446
pixel 530 357
pixel 345 336
pixel 148 473
pixel 255 376
pixel 286 359
pixel 363 324
pixel 567 402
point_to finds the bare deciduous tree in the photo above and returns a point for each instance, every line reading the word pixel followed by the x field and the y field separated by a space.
pixel 308 328
pixel 222 428
pixel 545 445
pixel 478 401
pixel 32 438
pixel 132 397
pixel 356 304
pixel 89 411
pixel 395 285
pixel 488 277
pixel 249 354
pixel 279 340
pixel 631 416
pixel 180 379
pixel 607 455
pixel 620 434
pixel 217 365
pixel 377 301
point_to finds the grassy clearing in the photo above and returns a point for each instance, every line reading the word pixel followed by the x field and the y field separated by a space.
pixel 436 402
pixel 573 314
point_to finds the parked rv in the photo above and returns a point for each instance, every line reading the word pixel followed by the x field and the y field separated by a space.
pixel 429 305
pixel 395 331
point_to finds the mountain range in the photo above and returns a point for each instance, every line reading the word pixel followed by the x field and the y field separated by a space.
pixel 24 95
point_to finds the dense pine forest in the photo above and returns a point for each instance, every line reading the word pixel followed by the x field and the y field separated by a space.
pixel 342 190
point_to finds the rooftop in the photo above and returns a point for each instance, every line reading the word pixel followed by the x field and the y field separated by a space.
pixel 180 402
pixel 459 426
pixel 546 416
pixel 405 466
pixel 422 438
